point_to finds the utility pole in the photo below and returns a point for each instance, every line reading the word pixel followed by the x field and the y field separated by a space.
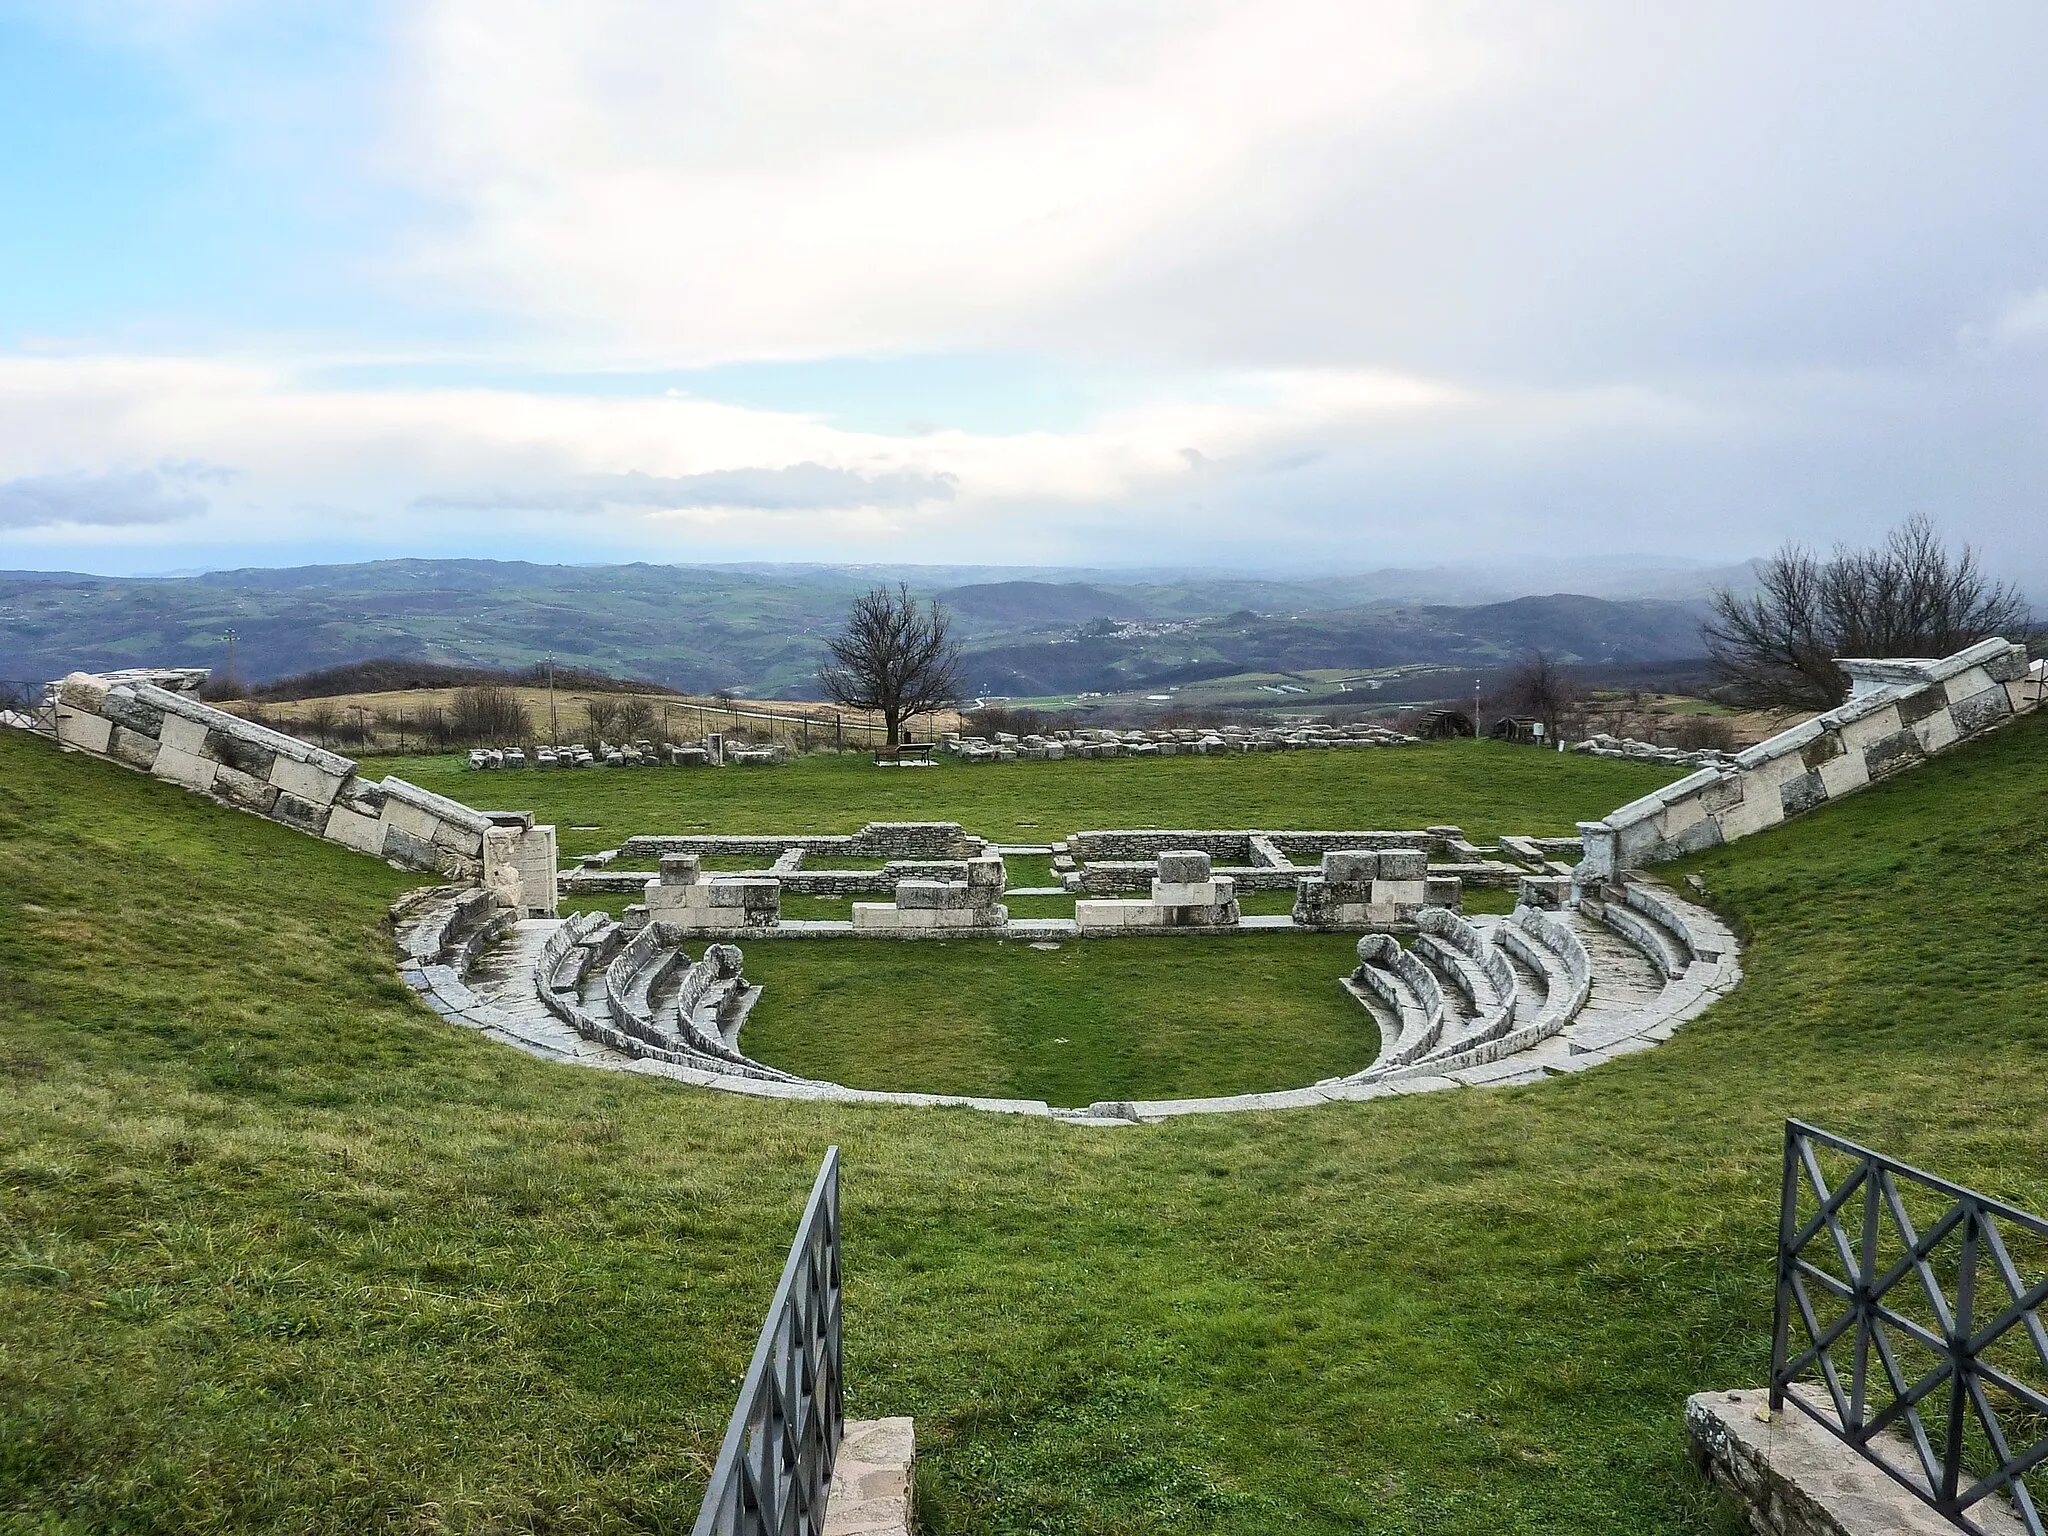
pixel 1477 734
pixel 554 727
pixel 230 636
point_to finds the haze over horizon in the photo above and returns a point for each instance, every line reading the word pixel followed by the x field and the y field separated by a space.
pixel 1287 287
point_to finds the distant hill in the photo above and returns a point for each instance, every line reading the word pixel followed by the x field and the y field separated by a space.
pixel 1033 603
pixel 700 628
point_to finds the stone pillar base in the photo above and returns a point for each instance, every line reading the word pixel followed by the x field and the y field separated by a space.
pixel 1793 1478
pixel 871 1479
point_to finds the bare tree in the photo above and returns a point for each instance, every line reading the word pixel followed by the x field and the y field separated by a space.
pixel 321 719
pixel 636 717
pixel 1543 689
pixel 1776 647
pixel 602 711
pixel 893 657
pixel 490 713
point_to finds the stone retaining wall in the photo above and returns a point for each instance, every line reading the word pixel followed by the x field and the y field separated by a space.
pixel 150 721
pixel 1236 846
pixel 1900 714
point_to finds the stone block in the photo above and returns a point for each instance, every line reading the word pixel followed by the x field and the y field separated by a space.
pixel 1446 891
pixel 1844 775
pixel 182 735
pixel 1106 916
pixel 132 748
pixel 1899 750
pixel 459 839
pixel 1403 864
pixel 1973 713
pixel 875 915
pixel 1399 893
pixel 82 691
pixel 1183 867
pixel 407 851
pixel 931 895
pixel 1821 750
pixel 89 733
pixel 748 895
pixel 236 788
pixel 871 1479
pixel 1725 794
pixel 352 829
pixel 1915 707
pixel 184 768
pixel 305 781
pixel 1545 891
pixel 123 708
pixel 242 754
pixel 301 814
pixel 1866 730
pixel 1802 794
pixel 1351 866
pixel 1199 893
pixel 681 868
pixel 1937 731
pixel 410 821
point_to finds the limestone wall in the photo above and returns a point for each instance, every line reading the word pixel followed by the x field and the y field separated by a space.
pixel 1236 846
pixel 1902 712
pixel 150 720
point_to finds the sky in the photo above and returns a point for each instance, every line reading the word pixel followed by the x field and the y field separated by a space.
pixel 1285 285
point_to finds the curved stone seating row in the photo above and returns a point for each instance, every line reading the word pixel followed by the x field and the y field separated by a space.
pixel 1430 1047
pixel 1458 950
pixel 1695 953
pixel 1407 987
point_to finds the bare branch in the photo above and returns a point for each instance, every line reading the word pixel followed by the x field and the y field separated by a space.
pixel 892 657
pixel 1776 648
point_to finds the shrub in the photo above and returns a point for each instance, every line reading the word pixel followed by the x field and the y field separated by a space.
pixel 488 713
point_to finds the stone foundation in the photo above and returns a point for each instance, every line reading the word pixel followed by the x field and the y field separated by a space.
pixel 1793 1478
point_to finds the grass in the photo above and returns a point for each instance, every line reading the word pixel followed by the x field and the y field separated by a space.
pixel 1086 1021
pixel 281 1252
pixel 1485 787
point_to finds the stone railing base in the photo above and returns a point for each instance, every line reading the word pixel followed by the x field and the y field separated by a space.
pixel 871 1479
pixel 1795 1479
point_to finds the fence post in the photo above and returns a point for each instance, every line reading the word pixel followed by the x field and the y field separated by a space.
pixel 1781 1325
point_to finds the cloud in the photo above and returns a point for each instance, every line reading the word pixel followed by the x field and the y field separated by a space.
pixel 115 499
pixel 2020 323
pixel 797 487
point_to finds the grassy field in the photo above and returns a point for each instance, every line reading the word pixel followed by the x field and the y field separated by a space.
pixel 1485 787
pixel 282 1252
pixel 1083 1022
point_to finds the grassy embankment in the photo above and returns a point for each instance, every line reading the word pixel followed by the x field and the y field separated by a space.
pixel 284 1253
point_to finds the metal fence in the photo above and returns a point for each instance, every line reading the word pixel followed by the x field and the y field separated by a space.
pixel 19 697
pixel 774 1470
pixel 1947 1360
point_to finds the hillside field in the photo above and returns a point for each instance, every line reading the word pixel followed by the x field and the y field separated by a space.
pixel 283 1252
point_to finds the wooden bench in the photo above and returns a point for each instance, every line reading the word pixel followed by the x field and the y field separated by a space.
pixel 920 752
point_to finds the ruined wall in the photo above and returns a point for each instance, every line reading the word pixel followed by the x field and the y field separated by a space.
pixel 1902 713
pixel 150 721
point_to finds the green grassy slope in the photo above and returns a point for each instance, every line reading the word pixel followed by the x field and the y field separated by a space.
pixel 282 1252
pixel 1486 787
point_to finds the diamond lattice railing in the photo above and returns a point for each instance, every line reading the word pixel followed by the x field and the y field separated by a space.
pixel 1912 1304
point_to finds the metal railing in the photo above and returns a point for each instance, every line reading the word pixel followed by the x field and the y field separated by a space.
pixel 1952 1269
pixel 774 1470
pixel 19 697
